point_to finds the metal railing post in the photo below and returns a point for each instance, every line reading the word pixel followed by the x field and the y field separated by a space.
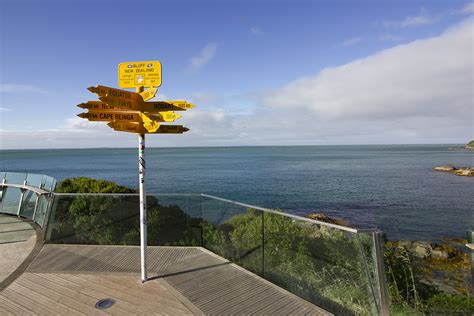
pixel 202 221
pixel 380 274
pixel 263 244
pixel 36 206
pixel 20 204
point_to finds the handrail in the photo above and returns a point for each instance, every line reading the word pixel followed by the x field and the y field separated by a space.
pixel 25 187
pixel 127 194
pixel 296 217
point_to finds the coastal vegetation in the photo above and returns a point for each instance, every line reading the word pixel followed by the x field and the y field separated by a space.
pixel 470 145
pixel 329 267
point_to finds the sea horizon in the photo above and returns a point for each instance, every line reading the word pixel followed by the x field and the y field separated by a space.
pixel 242 146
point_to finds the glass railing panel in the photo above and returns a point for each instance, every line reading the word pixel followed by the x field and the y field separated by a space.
pixel 49 183
pixel 174 220
pixel 113 219
pixel 2 176
pixel 28 204
pixel 15 178
pixel 10 200
pixel 94 219
pixel 323 265
pixel 44 204
pixel 234 232
pixel 34 180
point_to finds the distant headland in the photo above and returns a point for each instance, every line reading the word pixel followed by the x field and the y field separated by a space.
pixel 468 146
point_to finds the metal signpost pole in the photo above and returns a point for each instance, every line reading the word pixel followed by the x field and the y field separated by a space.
pixel 143 212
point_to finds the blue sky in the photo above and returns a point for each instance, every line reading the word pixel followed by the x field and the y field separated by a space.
pixel 257 70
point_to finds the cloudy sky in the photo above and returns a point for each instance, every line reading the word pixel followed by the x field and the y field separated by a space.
pixel 260 73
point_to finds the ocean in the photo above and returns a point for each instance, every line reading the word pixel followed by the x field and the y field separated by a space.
pixel 391 187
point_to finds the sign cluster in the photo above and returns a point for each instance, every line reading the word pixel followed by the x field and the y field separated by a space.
pixel 128 111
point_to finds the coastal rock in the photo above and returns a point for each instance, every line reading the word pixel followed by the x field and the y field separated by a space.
pixel 447 168
pixel 405 244
pixel 421 251
pixel 324 218
pixel 463 171
pixel 439 254
pixel 467 172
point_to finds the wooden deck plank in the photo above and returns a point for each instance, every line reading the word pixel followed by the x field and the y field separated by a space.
pixel 27 298
pixel 127 299
pixel 8 306
pixel 44 293
pixel 148 291
pixel 184 281
pixel 89 295
pixel 72 298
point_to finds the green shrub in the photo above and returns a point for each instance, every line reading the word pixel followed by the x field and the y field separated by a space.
pixel 89 185
pixel 450 304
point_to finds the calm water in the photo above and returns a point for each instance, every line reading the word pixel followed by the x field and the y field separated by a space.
pixel 391 187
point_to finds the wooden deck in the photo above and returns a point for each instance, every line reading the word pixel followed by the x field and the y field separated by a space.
pixel 17 240
pixel 70 279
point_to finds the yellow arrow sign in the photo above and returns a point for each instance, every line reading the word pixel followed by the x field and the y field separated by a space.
pixel 171 129
pixel 139 74
pixel 103 91
pixel 151 107
pixel 95 115
pixel 148 94
pixel 179 105
pixel 144 129
pixel 134 127
pixel 111 116
pixel 98 105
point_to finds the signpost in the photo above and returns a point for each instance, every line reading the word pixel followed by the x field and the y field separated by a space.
pixel 128 111
pixel 117 115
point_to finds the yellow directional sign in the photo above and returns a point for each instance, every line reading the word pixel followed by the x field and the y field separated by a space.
pixel 103 91
pixel 98 105
pixel 114 116
pixel 148 94
pixel 171 129
pixel 134 127
pixel 95 115
pixel 153 107
pixel 139 74
pixel 122 103
pixel 166 106
pixel 144 129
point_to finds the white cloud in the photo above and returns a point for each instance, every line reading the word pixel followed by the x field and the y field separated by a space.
pixel 423 18
pixel 416 20
pixel 3 109
pixel 351 41
pixel 257 31
pixel 468 8
pixel 414 87
pixel 390 37
pixel 20 88
pixel 203 57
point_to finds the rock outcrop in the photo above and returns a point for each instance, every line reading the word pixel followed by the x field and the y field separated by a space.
pixel 463 171
pixel 470 145
pixel 324 218
pixel 444 265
